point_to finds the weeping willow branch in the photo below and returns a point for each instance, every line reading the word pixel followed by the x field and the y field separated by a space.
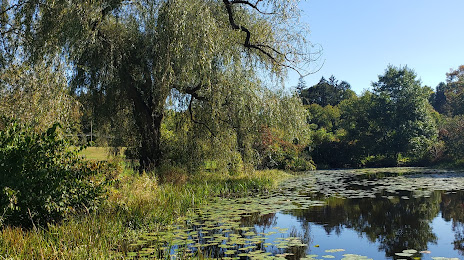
pixel 254 6
pixel 234 25
pixel 269 51
pixel 198 122
pixel 194 95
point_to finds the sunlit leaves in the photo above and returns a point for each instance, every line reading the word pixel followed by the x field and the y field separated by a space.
pixel 127 57
pixel 37 95
pixel 400 112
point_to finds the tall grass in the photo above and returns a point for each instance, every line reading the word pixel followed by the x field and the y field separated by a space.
pixel 135 204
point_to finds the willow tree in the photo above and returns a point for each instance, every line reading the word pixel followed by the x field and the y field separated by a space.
pixel 132 54
pixel 37 95
pixel 232 126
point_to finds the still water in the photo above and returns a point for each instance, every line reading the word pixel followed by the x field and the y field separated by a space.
pixel 399 213
pixel 378 228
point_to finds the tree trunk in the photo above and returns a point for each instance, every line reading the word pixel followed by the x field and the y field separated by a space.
pixel 150 134
pixel 148 123
pixel 149 129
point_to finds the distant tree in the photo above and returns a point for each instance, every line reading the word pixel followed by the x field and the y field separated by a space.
pixel 452 134
pixel 448 98
pixel 327 92
pixel 394 118
pixel 455 91
pixel 327 117
pixel 438 99
pixel 456 75
pixel 401 114
pixel 327 146
pixel 356 119
pixel 301 85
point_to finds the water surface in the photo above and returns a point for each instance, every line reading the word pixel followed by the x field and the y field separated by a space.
pixel 399 213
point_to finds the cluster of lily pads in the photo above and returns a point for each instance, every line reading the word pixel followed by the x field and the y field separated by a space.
pixel 221 230
pixel 359 184
pixel 414 254
pixel 226 227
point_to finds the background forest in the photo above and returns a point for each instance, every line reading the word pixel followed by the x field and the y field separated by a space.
pixel 398 122
pixel 248 125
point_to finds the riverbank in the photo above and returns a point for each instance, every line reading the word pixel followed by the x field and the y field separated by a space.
pixel 134 204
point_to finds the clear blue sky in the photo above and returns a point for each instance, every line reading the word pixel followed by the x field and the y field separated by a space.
pixel 360 38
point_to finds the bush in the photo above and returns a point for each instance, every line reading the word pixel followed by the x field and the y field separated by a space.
pixel 41 178
pixel 381 161
pixel 277 153
pixel 336 154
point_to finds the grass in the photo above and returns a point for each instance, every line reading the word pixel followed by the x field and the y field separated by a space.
pixel 96 153
pixel 134 204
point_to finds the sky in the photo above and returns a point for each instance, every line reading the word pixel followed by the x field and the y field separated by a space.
pixel 360 38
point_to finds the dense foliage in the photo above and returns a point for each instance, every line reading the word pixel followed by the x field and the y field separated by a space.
pixel 192 91
pixel 452 136
pixel 401 114
pixel 253 128
pixel 326 92
pixel 128 57
pixel 41 179
pixel 38 95
pixel 392 124
pixel 191 85
pixel 448 98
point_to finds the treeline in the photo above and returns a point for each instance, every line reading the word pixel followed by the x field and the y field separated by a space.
pixel 397 122
pixel 244 125
pixel 178 83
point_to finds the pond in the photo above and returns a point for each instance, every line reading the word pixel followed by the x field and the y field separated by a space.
pixel 394 213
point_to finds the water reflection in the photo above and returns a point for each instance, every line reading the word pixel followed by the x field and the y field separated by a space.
pixel 452 209
pixel 386 217
pixel 394 224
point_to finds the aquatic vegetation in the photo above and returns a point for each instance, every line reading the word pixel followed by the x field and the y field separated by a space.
pixel 245 227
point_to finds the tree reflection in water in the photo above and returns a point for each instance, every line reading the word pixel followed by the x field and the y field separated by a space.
pixel 395 221
pixel 396 224
pixel 452 209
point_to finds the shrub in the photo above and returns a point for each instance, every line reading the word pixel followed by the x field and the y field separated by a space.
pixel 381 161
pixel 277 153
pixel 41 178
pixel 336 154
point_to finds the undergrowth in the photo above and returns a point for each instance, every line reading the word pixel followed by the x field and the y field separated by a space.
pixel 134 204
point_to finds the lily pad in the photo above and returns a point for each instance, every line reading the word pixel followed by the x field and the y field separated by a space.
pixel 334 250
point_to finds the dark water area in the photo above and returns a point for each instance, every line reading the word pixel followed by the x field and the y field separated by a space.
pixel 395 213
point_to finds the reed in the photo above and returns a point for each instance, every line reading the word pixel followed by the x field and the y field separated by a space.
pixel 134 204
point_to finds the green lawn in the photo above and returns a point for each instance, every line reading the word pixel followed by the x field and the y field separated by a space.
pixel 96 153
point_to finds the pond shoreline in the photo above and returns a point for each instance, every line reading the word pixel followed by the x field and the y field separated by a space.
pixel 222 229
pixel 135 204
pixel 132 209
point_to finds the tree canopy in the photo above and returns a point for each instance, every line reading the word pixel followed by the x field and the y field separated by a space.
pixel 327 92
pixel 449 97
pixel 401 112
pixel 39 96
pixel 130 55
